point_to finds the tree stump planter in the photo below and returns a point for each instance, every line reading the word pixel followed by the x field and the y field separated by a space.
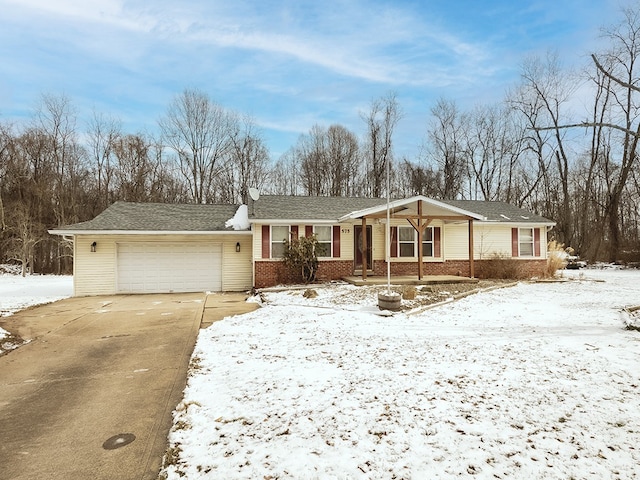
pixel 389 301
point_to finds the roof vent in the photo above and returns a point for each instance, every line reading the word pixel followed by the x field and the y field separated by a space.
pixel 505 217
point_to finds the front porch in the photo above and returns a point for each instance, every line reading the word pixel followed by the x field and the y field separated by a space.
pixel 411 243
pixel 409 280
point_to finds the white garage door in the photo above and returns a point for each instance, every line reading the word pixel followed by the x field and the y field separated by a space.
pixel 169 267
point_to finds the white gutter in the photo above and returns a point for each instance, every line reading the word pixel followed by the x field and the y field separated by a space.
pixel 297 221
pixel 147 232
pixel 517 224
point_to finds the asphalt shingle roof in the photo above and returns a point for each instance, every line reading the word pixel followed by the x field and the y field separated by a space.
pixel 285 207
pixel 125 216
pixel 498 211
pixel 159 217
pixel 277 207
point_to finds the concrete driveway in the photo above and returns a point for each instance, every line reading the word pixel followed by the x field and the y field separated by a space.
pixel 91 396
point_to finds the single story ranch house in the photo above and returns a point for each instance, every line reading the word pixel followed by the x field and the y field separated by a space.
pixel 153 248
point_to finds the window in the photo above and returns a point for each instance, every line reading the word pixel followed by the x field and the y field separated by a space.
pixel 427 242
pixel 323 235
pixel 406 241
pixel 279 234
pixel 525 240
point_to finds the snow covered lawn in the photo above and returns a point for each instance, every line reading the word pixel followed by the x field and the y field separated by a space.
pixel 533 381
pixel 18 293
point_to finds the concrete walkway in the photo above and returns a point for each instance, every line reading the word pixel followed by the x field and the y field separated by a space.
pixel 92 395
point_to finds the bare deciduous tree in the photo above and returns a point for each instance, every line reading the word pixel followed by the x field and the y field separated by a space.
pixel 381 121
pixel 246 163
pixel 102 134
pixel 620 75
pixel 445 135
pixel 344 159
pixel 197 129
pixel 494 146
pixel 284 176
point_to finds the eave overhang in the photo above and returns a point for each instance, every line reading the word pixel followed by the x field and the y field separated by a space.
pixel 147 232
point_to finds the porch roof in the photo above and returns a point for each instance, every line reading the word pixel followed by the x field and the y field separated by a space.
pixel 410 207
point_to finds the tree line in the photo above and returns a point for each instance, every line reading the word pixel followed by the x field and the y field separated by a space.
pixel 528 149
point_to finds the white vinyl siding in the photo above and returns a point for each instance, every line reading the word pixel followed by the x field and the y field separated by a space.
pixel 488 240
pixel 346 240
pixel 94 272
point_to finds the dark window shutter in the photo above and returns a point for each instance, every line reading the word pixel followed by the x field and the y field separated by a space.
pixel 336 241
pixel 294 232
pixel 514 242
pixel 308 230
pixel 394 241
pixel 436 242
pixel 266 242
pixel 536 242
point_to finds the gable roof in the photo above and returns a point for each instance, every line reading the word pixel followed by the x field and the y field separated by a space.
pixel 138 218
pixel 410 205
pixel 282 208
pixel 156 217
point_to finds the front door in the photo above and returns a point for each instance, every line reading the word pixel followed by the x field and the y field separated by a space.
pixel 358 247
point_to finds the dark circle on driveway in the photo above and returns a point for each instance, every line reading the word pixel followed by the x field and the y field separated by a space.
pixel 118 441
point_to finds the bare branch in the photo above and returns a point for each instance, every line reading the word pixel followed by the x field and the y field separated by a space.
pixel 633 133
pixel 615 79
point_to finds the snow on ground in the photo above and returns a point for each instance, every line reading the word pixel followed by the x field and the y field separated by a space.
pixel 532 381
pixel 18 293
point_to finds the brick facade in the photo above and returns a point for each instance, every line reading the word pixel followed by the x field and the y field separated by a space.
pixel 270 273
pixel 273 272
pixel 450 267
pixel 534 268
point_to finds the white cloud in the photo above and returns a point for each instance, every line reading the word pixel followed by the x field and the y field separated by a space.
pixel 391 45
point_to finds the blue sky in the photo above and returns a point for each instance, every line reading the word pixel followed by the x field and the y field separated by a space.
pixel 289 64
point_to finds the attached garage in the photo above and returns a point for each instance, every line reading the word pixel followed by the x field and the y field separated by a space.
pixel 168 267
pixel 160 248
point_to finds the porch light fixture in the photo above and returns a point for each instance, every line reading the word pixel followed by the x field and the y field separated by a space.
pixel 237 246
pixel 93 246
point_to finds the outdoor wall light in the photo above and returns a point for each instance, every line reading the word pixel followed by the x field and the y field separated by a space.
pixel 93 246
pixel 237 246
